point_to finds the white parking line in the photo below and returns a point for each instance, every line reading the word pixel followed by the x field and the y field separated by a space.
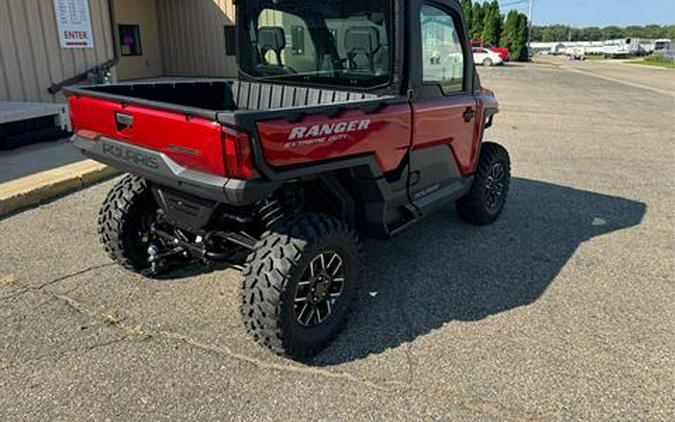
pixel 622 82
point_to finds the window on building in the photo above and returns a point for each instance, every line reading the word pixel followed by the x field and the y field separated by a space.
pixel 130 40
pixel 442 52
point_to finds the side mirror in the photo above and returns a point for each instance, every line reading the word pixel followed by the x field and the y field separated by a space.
pixel 230 40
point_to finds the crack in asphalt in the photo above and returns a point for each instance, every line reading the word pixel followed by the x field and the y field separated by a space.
pixel 261 364
pixel 459 398
pixel 132 331
pixel 136 330
pixel 10 364
pixel 57 280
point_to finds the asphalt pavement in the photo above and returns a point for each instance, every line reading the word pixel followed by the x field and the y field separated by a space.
pixel 563 310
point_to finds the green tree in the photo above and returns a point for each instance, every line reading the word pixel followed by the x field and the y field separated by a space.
pixel 508 37
pixel 500 28
pixel 477 18
pixel 519 51
pixel 537 33
pixel 491 23
pixel 614 32
pixel 554 33
pixel 467 8
pixel 635 31
pixel 591 34
pixel 670 32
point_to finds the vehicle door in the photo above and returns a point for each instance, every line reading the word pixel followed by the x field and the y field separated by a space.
pixel 445 112
pixel 479 55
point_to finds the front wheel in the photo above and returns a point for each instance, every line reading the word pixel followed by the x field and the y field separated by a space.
pixel 485 201
pixel 300 284
pixel 488 62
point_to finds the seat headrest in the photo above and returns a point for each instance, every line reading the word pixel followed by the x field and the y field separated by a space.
pixel 362 38
pixel 272 37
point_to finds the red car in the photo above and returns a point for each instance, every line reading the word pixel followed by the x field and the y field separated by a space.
pixel 504 53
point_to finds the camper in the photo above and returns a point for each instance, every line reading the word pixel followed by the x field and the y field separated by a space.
pixel 664 46
pixel 622 48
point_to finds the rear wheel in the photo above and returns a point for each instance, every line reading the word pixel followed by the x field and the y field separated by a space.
pixel 124 223
pixel 485 201
pixel 300 284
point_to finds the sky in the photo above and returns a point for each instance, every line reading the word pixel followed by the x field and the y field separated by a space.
pixel 581 13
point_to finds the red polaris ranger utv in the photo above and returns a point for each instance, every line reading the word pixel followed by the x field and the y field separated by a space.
pixel 349 118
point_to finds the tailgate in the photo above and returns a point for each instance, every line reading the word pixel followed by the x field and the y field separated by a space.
pixel 193 142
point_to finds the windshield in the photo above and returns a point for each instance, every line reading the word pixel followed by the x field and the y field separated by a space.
pixel 336 42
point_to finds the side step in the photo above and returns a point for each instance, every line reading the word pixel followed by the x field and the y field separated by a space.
pixel 433 202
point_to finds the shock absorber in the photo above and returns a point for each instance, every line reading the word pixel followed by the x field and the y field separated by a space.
pixel 270 211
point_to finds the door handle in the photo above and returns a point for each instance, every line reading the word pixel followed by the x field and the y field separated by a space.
pixel 123 121
pixel 469 114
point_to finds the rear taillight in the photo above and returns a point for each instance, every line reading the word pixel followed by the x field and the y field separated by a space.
pixel 237 154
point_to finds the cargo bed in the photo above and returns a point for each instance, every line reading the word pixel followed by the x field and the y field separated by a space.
pixel 209 98
pixel 224 127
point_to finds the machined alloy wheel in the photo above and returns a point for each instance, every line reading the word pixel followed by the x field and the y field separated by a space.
pixel 300 284
pixel 494 186
pixel 484 202
pixel 320 289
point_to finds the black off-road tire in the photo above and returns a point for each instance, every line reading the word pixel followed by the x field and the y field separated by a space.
pixel 475 207
pixel 121 221
pixel 273 273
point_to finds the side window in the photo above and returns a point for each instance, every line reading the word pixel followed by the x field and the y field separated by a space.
pixel 442 54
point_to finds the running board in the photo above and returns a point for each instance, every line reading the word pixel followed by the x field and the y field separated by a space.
pixel 433 202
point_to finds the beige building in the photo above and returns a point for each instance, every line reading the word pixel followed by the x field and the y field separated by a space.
pixel 142 38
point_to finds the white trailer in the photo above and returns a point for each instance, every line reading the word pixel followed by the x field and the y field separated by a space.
pixel 663 44
pixel 622 48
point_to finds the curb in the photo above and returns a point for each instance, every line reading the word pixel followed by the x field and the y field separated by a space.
pixel 39 188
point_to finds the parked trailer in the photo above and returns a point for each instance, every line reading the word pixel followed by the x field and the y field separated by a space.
pixel 623 48
pixel 665 47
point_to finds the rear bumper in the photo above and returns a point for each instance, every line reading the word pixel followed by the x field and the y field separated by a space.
pixel 160 169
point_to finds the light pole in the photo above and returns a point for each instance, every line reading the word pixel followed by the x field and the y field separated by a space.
pixel 529 30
